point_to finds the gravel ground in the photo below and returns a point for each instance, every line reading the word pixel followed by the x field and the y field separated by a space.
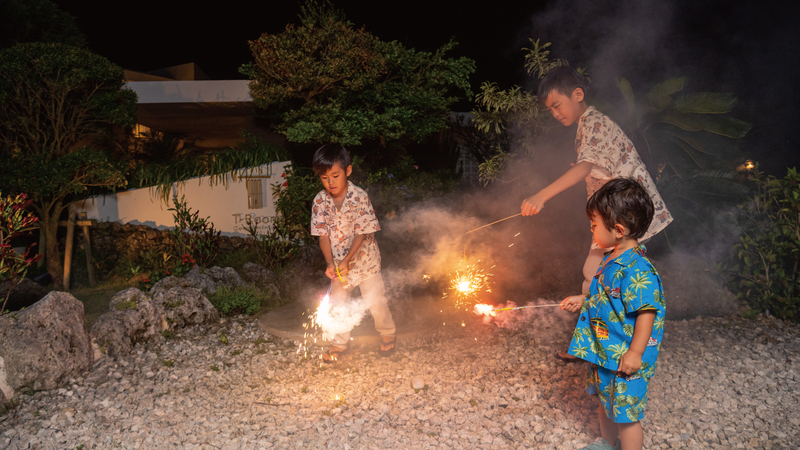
pixel 720 383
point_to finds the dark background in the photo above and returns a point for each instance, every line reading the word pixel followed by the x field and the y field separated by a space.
pixel 748 48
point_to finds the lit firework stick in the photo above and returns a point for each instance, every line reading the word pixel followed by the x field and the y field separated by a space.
pixel 320 319
pixel 490 310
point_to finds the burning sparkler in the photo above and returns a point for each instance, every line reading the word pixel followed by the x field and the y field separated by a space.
pixel 468 283
pixel 491 311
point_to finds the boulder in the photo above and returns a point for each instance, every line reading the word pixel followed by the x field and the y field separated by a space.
pixel 133 317
pixel 262 278
pixel 137 317
pixel 224 277
pixel 43 345
pixel 295 276
pixel 193 279
pixel 25 294
pixel 185 306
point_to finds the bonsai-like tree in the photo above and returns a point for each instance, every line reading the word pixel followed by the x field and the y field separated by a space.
pixel 326 81
pixel 58 105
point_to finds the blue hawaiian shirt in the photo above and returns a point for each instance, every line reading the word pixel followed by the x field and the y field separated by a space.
pixel 621 289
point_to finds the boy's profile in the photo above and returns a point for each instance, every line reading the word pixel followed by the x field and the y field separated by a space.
pixel 343 218
pixel 621 320
pixel 604 153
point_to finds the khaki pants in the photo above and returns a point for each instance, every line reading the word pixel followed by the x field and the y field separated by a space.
pixel 373 292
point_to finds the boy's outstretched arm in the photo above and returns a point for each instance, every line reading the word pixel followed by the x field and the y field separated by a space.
pixel 535 203
pixel 573 303
pixel 631 361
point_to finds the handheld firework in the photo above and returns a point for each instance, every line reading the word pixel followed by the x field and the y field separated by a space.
pixel 482 227
pixel 490 310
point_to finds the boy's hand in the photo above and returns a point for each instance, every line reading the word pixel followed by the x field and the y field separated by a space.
pixel 330 272
pixel 533 204
pixel 630 363
pixel 573 303
pixel 344 267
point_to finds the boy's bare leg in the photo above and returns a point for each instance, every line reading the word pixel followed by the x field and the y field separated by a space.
pixel 631 436
pixel 608 429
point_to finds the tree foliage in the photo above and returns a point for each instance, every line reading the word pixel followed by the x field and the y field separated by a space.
pixel 37 21
pixel 768 252
pixel 326 81
pixel 56 103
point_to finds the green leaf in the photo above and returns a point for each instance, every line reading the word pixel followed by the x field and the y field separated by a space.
pixel 722 125
pixel 705 103
pixel 668 87
pixel 627 93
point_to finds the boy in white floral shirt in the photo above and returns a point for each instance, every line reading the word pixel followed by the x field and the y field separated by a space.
pixel 604 153
pixel 343 218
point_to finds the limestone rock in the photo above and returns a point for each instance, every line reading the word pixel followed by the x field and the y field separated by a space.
pixel 193 279
pixel 133 317
pixel 262 278
pixel 136 317
pixel 185 306
pixel 44 344
pixel 224 277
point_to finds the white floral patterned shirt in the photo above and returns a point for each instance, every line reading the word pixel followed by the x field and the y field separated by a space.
pixel 356 216
pixel 602 142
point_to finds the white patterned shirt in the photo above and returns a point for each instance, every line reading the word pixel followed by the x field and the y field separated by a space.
pixel 356 216
pixel 602 142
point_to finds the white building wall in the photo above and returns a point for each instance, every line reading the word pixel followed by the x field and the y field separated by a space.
pixel 225 205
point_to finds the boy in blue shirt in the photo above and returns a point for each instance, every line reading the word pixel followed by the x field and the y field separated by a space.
pixel 343 218
pixel 621 320
pixel 604 153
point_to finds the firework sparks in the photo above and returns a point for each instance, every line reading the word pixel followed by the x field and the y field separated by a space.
pixel 468 283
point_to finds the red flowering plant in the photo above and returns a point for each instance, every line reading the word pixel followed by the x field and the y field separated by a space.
pixel 15 221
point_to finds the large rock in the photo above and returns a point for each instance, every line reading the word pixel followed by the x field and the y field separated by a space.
pixel 43 345
pixel 225 277
pixel 182 307
pixel 136 317
pixel 262 278
pixel 133 317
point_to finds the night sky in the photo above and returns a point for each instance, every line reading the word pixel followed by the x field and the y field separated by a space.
pixel 748 48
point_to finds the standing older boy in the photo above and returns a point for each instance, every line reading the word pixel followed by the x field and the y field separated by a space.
pixel 343 218
pixel 621 320
pixel 604 153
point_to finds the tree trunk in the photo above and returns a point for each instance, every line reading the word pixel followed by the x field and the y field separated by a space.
pixel 54 265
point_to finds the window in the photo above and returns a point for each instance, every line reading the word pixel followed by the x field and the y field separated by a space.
pixel 255 197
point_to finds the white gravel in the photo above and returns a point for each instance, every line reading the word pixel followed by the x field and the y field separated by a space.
pixel 720 383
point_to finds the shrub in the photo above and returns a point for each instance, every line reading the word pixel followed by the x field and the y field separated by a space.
pixel 242 300
pixel 193 238
pixel 768 252
pixel 278 246
pixel 14 222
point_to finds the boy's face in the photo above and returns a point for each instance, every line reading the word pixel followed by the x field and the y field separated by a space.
pixel 335 180
pixel 604 237
pixel 566 109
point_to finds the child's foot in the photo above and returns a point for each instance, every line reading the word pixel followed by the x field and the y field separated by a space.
pixel 600 444
pixel 566 357
pixel 332 355
pixel 388 345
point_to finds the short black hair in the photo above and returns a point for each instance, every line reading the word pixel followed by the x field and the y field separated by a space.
pixel 562 79
pixel 328 155
pixel 623 201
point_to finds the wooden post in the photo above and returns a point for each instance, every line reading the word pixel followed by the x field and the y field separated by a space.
pixel 68 249
pixel 88 249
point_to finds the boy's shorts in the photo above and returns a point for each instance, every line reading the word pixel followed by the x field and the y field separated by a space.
pixel 623 398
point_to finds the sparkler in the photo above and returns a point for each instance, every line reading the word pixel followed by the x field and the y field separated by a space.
pixel 467 283
pixel 490 310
